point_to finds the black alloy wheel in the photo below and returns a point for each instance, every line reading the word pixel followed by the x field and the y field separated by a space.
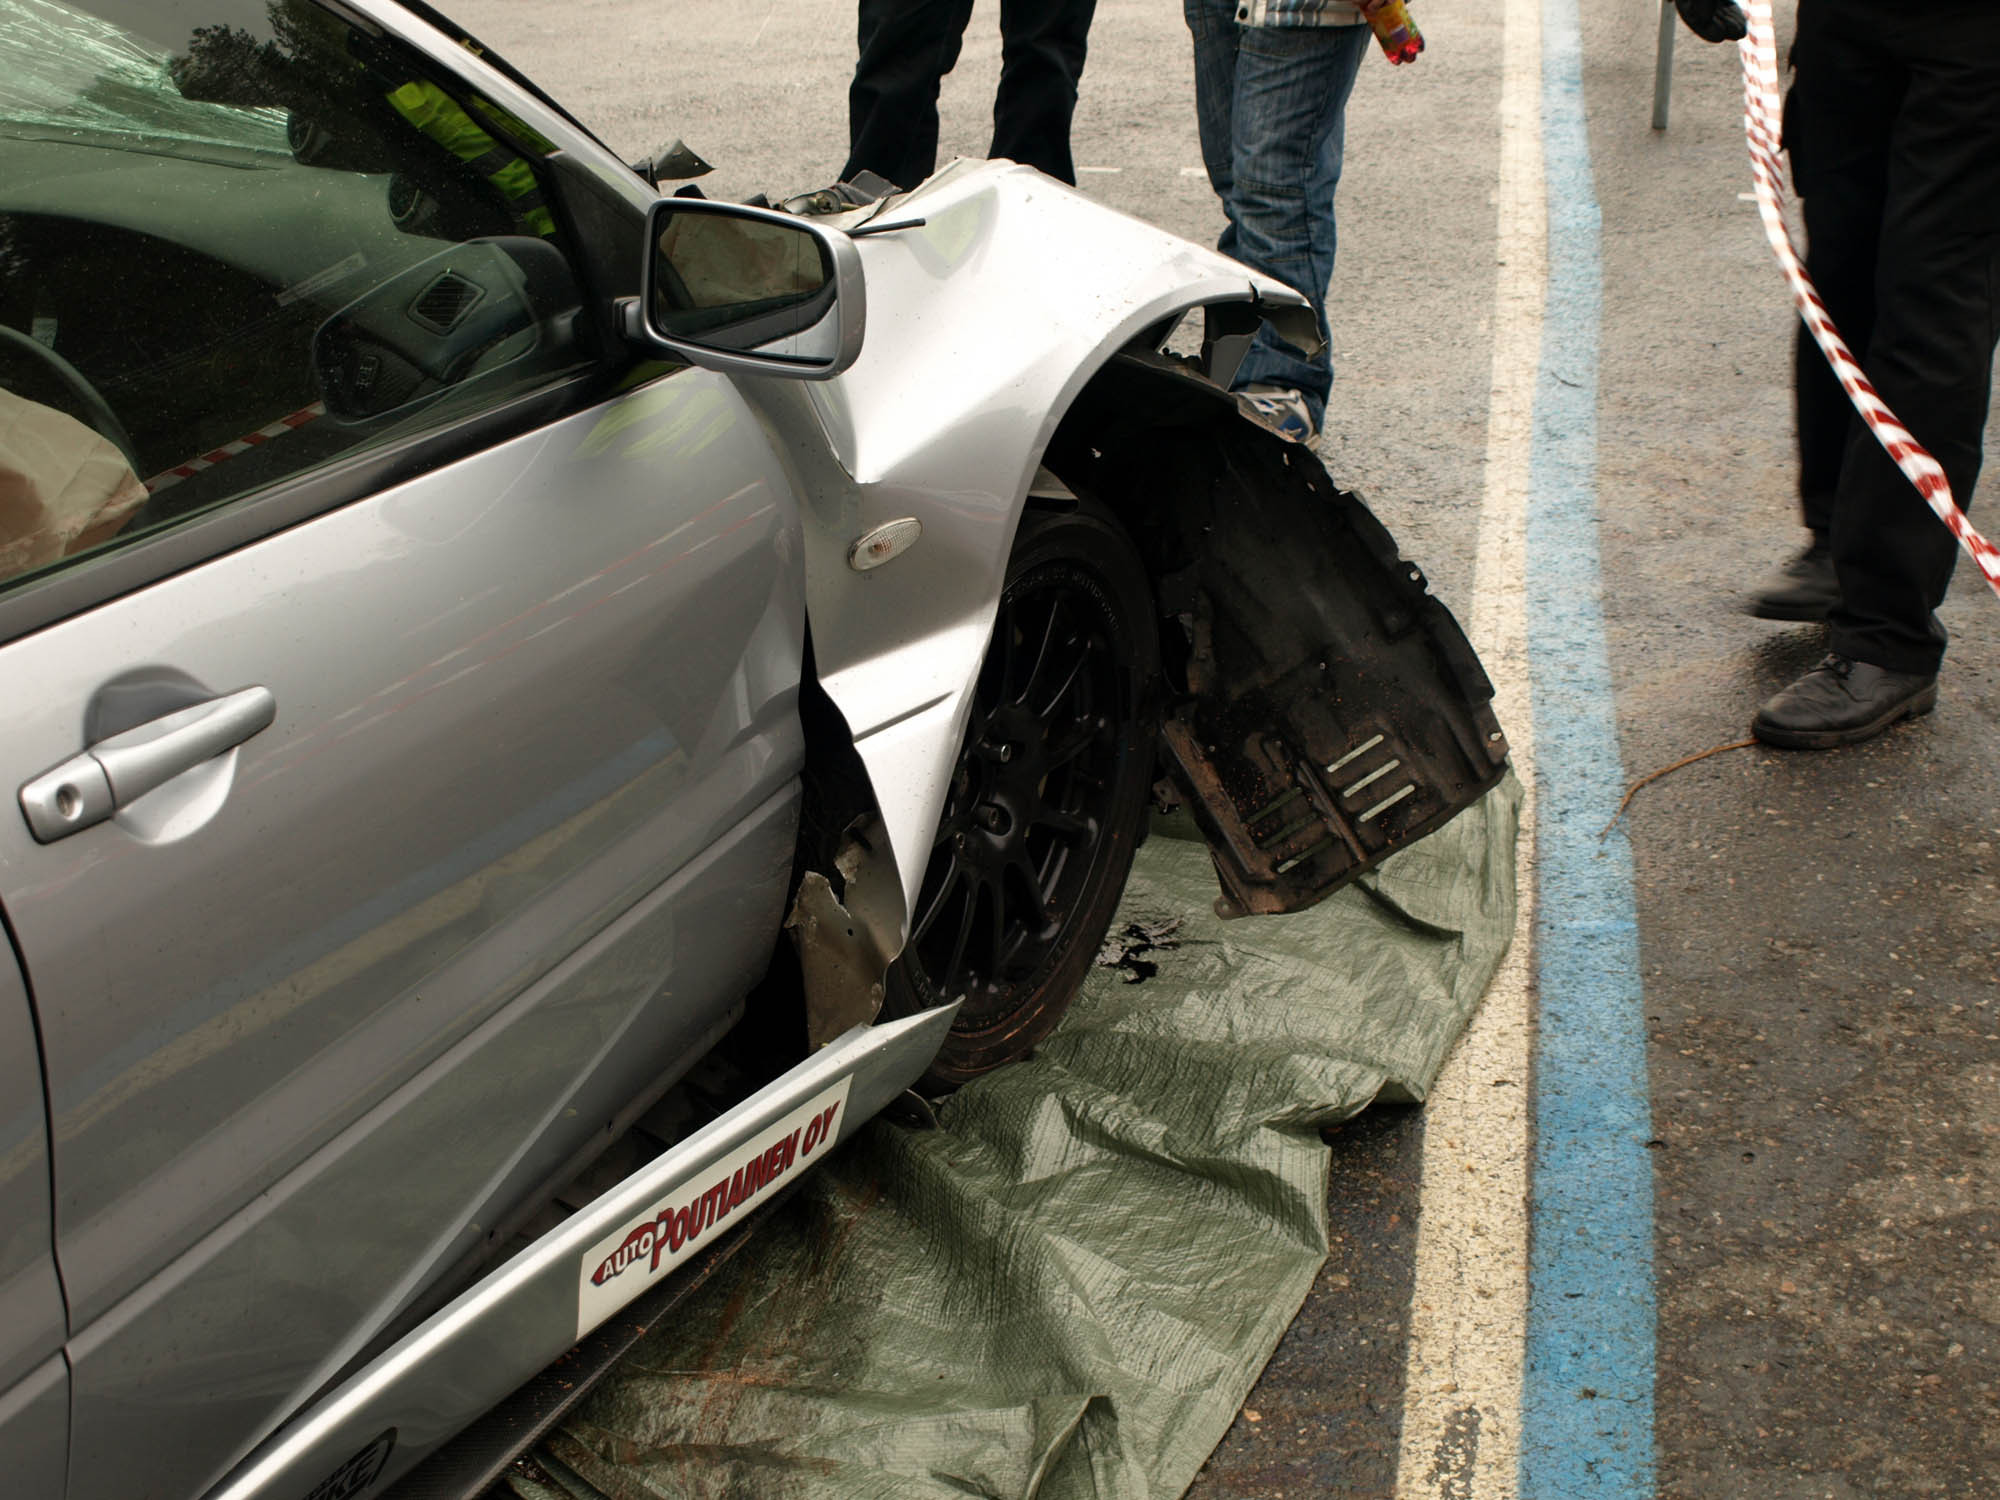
pixel 1047 801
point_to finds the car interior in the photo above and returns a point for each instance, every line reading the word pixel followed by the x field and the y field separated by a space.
pixel 308 250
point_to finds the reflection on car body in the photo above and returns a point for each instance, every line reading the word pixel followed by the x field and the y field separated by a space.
pixel 465 608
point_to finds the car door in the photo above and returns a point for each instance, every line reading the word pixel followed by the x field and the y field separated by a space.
pixel 404 722
pixel 34 1381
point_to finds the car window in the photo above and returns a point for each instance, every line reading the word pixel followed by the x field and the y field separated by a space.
pixel 240 239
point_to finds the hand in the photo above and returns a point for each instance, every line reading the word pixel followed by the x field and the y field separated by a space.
pixel 1713 20
pixel 1369 7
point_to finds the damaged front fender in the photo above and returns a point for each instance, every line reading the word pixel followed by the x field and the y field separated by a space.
pixel 999 294
pixel 1326 709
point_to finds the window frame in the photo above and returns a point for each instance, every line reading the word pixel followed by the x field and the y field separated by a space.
pixel 599 202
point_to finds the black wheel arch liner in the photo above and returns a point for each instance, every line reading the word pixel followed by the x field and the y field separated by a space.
pixel 1322 707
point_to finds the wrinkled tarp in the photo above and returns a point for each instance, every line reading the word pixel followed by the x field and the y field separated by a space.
pixel 1069 1288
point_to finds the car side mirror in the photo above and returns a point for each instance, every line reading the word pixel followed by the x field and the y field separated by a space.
pixel 748 291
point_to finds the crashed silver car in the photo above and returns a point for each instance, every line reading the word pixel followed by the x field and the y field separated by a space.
pixel 481 623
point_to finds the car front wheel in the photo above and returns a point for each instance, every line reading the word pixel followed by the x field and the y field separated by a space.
pixel 1047 801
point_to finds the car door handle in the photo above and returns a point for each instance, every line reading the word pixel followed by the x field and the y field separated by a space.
pixel 116 772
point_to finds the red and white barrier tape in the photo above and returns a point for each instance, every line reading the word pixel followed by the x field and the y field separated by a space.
pixel 1761 120
pixel 227 451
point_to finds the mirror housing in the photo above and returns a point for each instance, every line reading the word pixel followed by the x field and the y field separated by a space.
pixel 747 291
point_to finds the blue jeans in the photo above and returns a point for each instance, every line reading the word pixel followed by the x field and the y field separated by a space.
pixel 1271 104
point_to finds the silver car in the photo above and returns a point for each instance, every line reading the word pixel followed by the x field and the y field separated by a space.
pixel 478 623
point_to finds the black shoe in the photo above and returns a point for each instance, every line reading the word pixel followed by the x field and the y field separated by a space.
pixel 1802 589
pixel 1843 702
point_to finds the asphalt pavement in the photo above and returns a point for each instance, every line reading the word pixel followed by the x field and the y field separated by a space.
pixel 1816 971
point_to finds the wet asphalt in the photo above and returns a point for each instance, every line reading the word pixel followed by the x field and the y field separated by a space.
pixel 1819 934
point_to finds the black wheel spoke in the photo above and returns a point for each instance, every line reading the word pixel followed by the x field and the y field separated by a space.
pixel 1007 654
pixel 1088 734
pixel 951 882
pixel 1067 826
pixel 998 932
pixel 1034 892
pixel 1076 666
pixel 953 966
pixel 1041 653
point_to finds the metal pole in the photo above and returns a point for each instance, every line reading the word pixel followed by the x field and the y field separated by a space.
pixel 1663 67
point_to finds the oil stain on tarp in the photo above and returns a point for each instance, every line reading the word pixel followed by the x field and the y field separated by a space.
pixel 1067 1290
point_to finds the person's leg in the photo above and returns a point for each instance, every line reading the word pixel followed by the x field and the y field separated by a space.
pixel 1836 129
pixel 1213 30
pixel 1837 123
pixel 1291 94
pixel 1930 353
pixel 1327 165
pixel 1930 356
pixel 906 48
pixel 1042 45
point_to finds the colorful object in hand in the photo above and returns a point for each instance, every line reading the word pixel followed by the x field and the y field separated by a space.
pixel 1398 34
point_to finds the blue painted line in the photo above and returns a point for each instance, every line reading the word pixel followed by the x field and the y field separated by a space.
pixel 1587 1386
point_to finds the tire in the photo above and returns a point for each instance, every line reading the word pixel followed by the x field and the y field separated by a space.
pixel 1048 799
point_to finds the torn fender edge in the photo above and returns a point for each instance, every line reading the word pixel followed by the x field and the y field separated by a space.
pixel 1229 328
pixel 845 946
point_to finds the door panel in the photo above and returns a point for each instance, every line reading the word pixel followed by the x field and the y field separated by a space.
pixel 513 697
pixel 31 1306
pixel 260 1313
pixel 34 1432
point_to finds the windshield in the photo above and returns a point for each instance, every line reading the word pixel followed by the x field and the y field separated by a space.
pixel 69 70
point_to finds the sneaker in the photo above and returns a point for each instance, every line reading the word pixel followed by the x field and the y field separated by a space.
pixel 1803 588
pixel 1280 408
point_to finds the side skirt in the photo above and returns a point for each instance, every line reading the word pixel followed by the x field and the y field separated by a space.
pixel 468 1466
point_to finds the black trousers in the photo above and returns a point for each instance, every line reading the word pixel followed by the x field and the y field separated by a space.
pixel 907 46
pixel 1893 124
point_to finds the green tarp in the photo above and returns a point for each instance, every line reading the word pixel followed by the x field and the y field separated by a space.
pixel 1068 1289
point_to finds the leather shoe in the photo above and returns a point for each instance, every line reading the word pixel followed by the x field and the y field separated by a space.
pixel 1803 588
pixel 1843 702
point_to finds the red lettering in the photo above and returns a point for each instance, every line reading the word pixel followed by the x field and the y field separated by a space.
pixel 635 1244
pixel 672 1228
pixel 748 1180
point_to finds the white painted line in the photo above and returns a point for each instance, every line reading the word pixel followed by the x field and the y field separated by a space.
pixel 1194 171
pixel 1098 171
pixel 1462 1386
